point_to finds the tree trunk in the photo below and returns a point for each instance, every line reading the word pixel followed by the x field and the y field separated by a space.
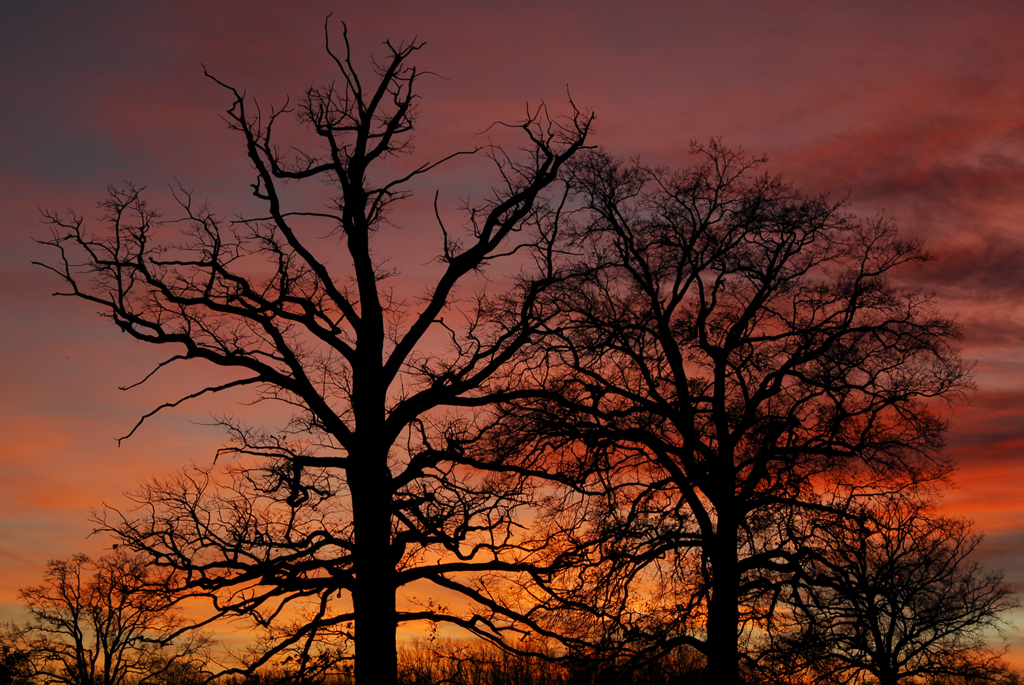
pixel 374 595
pixel 888 676
pixel 723 607
pixel 373 601
pixel 369 479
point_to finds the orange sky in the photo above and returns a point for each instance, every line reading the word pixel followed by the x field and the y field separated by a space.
pixel 917 110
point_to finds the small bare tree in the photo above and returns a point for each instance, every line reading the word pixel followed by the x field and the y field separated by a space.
pixel 370 488
pixel 108 622
pixel 16 664
pixel 892 595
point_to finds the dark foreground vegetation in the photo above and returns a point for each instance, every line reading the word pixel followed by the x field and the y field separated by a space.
pixel 635 425
pixel 453 663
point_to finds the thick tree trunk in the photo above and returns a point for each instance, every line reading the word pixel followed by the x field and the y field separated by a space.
pixel 373 598
pixel 888 676
pixel 723 607
pixel 369 480
pixel 376 657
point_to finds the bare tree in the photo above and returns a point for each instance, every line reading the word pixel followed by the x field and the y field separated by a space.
pixel 369 488
pixel 16 665
pixel 891 594
pixel 108 622
pixel 730 354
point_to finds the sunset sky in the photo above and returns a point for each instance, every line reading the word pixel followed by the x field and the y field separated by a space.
pixel 912 108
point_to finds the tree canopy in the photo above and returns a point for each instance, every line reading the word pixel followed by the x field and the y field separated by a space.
pixel 730 355
pixel 368 488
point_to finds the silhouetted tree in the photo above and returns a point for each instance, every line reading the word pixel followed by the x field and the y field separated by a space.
pixel 16 665
pixel 370 488
pixel 891 594
pixel 108 622
pixel 731 353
